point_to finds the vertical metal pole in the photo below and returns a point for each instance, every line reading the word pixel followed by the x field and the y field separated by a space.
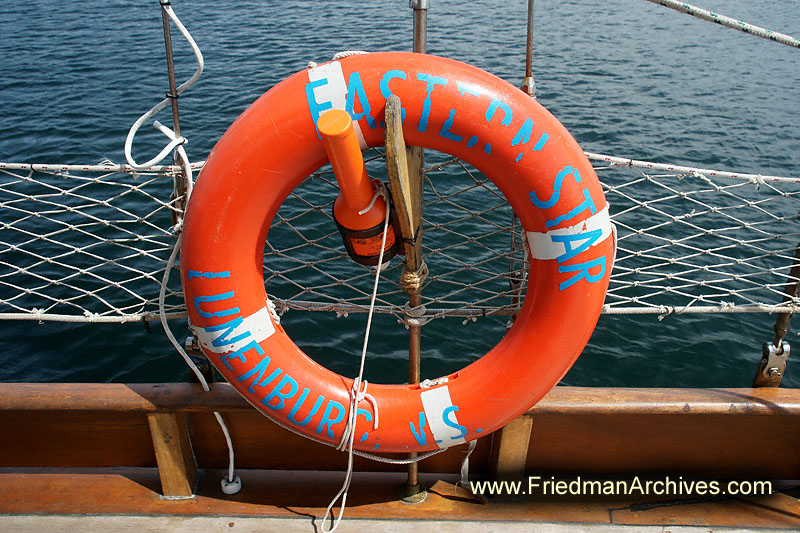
pixel 173 89
pixel 179 188
pixel 178 184
pixel 528 85
pixel 420 8
pixel 414 491
pixel 414 347
pixel 402 168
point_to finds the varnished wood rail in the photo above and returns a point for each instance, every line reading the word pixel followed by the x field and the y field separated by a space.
pixel 189 397
pixel 729 432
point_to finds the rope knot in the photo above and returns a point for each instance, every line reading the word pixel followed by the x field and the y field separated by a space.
pixel 412 280
pixel 380 190
pixel 357 395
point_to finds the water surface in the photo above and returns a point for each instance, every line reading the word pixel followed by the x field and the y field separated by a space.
pixel 626 77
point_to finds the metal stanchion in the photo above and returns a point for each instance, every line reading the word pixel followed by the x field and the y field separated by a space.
pixel 528 85
pixel 410 161
pixel 179 191
pixel 420 8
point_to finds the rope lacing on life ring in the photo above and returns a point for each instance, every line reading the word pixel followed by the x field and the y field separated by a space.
pixel 348 53
pixel 356 397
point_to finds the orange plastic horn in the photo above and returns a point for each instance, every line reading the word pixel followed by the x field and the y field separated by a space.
pixel 361 232
pixel 341 145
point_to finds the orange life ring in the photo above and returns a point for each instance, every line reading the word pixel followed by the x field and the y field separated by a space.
pixel 447 106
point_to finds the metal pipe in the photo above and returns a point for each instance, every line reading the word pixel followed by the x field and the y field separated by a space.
pixel 528 84
pixel 173 88
pixel 179 187
pixel 420 8
pixel 414 348
pixel 529 43
pixel 414 492
pixel 415 300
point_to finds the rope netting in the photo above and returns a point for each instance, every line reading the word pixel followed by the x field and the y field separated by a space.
pixel 91 244
pixel 701 241
pixel 84 243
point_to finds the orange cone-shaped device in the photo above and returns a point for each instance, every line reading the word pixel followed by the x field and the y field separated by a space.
pixel 361 233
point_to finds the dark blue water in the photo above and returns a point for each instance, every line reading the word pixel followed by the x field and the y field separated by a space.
pixel 626 77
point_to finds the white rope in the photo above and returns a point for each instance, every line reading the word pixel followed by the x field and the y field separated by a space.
pixel 77 247
pixel 753 178
pixel 231 478
pixel 187 167
pixel 463 482
pixel 40 316
pixel 111 167
pixel 356 394
pixel 175 141
pixel 348 53
pixel 380 192
pixel 165 324
pixel 188 360
pixel 729 22
pixel 432 313
pixel 700 310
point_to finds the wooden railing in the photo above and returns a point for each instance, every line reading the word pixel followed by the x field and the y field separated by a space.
pixel 721 432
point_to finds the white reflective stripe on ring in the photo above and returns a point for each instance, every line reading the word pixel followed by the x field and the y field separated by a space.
pixel 441 416
pixel 236 333
pixel 543 247
pixel 333 91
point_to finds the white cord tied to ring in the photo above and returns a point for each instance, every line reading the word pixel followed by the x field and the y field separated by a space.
pixel 357 395
pixel 464 481
pixel 348 53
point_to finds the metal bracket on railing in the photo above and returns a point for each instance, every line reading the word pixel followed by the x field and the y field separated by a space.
pixel 415 316
pixel 772 366
pixel 774 354
pixel 192 347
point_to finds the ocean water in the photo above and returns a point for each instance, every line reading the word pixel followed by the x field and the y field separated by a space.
pixel 626 77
